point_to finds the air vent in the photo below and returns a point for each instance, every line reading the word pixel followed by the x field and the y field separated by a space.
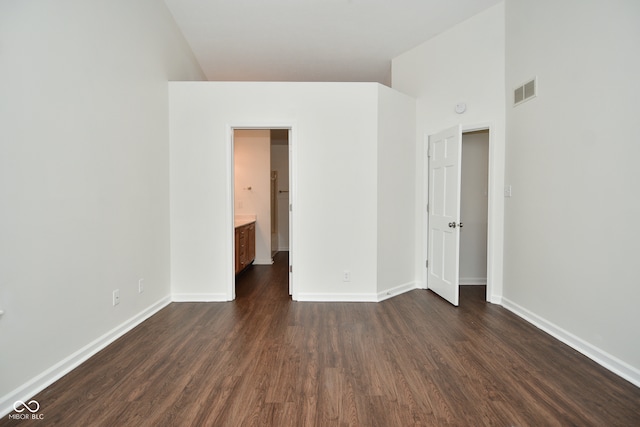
pixel 524 92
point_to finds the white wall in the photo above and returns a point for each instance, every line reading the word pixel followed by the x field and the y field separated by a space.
pixel 252 169
pixel 280 163
pixel 572 239
pixel 334 142
pixel 473 208
pixel 334 187
pixel 396 192
pixel 463 64
pixel 84 178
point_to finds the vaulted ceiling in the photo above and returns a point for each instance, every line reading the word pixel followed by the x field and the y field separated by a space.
pixel 311 40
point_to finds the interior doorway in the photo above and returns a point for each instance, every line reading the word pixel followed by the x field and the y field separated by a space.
pixel 474 209
pixel 260 159
pixel 443 272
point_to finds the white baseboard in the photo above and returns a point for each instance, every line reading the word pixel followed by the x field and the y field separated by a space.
pixel 390 293
pixel 594 353
pixel 310 297
pixel 495 299
pixel 473 281
pixel 381 296
pixel 264 261
pixel 199 298
pixel 66 365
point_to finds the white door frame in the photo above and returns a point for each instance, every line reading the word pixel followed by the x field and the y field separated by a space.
pixel 231 288
pixel 494 219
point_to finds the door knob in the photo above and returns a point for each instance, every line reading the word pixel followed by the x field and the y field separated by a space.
pixel 452 224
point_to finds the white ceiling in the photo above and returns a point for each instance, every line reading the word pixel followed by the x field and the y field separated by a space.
pixel 311 40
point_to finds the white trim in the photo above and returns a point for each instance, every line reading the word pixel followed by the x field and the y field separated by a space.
pixel 322 297
pixel 293 185
pixel 231 235
pixel 495 299
pixel 66 365
pixel 476 127
pixel 266 261
pixel 395 291
pixel 495 221
pixel 379 297
pixel 594 353
pixel 424 208
pixel 465 281
pixel 494 256
pixel 494 261
pixel 200 298
pixel 230 128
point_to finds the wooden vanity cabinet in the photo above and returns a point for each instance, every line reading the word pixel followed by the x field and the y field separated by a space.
pixel 245 246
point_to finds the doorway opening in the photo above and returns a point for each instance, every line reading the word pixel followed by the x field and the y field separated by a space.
pixel 474 193
pixel 261 163
pixel 450 265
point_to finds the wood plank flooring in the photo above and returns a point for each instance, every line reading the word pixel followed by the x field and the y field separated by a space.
pixel 413 360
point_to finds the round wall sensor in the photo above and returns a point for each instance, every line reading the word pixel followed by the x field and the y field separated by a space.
pixel 461 108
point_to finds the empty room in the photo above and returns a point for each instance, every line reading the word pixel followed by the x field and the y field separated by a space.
pixel 153 273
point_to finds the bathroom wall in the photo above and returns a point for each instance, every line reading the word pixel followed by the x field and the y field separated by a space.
pixel 252 185
pixel 280 164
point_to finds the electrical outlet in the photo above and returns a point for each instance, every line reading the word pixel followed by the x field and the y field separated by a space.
pixel 346 276
pixel 116 297
pixel 140 286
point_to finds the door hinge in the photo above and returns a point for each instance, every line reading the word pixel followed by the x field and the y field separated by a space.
pixel 290 269
pixel 427 207
pixel 290 207
pixel 426 264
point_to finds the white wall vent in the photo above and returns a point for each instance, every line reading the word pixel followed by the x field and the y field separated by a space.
pixel 525 92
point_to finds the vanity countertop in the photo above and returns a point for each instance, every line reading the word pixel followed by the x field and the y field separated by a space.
pixel 241 220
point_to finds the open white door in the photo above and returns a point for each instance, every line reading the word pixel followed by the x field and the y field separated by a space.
pixel 445 153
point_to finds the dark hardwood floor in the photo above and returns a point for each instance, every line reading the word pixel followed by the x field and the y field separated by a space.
pixel 265 360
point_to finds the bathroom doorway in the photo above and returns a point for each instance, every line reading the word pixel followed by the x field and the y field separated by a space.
pixel 261 196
